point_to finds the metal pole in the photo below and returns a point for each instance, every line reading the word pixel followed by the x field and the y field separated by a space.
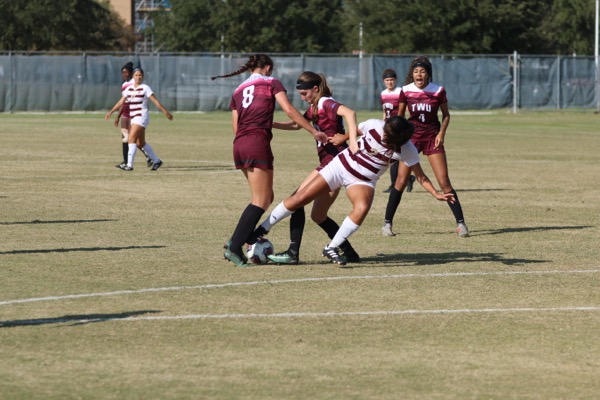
pixel 515 83
pixel 596 59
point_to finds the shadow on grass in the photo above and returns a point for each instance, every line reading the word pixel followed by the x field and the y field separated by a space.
pixel 63 250
pixel 75 320
pixel 527 229
pixel 430 259
pixel 202 168
pixel 75 221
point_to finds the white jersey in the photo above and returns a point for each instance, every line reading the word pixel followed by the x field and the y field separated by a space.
pixel 370 162
pixel 137 97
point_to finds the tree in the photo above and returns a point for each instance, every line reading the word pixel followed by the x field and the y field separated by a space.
pixel 569 28
pixel 273 26
pixel 61 25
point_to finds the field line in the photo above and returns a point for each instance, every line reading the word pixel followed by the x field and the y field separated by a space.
pixel 284 281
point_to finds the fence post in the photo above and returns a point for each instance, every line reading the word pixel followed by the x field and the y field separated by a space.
pixel 515 81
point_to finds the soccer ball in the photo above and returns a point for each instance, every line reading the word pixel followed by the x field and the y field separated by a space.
pixel 258 252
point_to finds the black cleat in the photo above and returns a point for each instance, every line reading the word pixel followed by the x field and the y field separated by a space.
pixel 125 167
pixel 257 234
pixel 409 185
pixel 334 256
pixel 156 165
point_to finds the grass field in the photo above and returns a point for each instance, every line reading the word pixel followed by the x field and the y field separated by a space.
pixel 113 284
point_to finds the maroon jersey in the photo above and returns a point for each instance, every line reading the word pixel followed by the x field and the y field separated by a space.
pixel 328 121
pixel 423 106
pixel 254 101
pixel 390 99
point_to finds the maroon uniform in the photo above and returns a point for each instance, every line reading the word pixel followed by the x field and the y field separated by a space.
pixel 423 106
pixel 254 101
pixel 328 121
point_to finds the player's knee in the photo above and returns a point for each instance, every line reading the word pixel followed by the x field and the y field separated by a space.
pixel 125 134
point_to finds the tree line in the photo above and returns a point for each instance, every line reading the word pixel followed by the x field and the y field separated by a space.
pixel 310 26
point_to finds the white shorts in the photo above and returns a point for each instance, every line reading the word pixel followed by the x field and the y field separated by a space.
pixel 142 120
pixel 336 176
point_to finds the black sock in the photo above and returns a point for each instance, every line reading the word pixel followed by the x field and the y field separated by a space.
pixel 297 222
pixel 392 205
pixel 456 208
pixel 125 152
pixel 248 221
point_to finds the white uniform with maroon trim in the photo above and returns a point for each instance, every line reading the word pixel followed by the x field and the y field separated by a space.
pixel 370 162
pixel 137 97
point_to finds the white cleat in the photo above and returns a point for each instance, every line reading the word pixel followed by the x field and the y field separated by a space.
pixel 387 230
pixel 462 230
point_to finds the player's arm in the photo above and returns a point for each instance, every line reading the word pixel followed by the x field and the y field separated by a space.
pixel 351 136
pixel 439 139
pixel 115 108
pixel 291 112
pixel 287 126
pixel 401 109
pixel 161 107
pixel 427 185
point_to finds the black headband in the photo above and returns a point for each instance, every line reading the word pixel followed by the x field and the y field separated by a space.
pixel 423 65
pixel 389 75
pixel 301 85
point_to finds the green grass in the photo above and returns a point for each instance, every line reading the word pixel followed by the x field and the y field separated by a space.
pixel 511 312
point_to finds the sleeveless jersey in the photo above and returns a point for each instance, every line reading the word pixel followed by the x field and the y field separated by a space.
pixel 254 100
pixel 390 100
pixel 423 106
pixel 373 158
pixel 125 107
pixel 137 97
pixel 328 121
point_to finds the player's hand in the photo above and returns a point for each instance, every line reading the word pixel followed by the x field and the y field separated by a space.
pixel 337 139
pixel 169 116
pixel 117 122
pixel 448 197
pixel 107 116
pixel 353 147
pixel 439 141
pixel 320 137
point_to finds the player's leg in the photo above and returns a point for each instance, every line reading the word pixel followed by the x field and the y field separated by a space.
pixel 439 166
pixel 394 198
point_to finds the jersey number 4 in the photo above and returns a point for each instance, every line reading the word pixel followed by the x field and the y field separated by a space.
pixel 248 94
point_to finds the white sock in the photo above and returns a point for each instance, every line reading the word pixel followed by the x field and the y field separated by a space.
pixel 346 230
pixel 147 149
pixel 131 154
pixel 279 213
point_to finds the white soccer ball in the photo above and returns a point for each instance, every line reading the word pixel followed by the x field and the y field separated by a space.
pixel 258 252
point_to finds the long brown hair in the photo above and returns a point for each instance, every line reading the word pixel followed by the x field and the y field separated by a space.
pixel 255 61
pixel 314 79
pixel 419 61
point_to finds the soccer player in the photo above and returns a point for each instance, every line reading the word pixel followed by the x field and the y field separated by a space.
pixel 137 96
pixel 252 107
pixel 358 168
pixel 423 98
pixel 327 115
pixel 123 115
pixel 390 100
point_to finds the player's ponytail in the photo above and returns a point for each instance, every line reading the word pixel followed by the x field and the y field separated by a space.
pixel 255 61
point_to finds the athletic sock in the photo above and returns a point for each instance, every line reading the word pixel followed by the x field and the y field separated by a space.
pixel 131 154
pixel 456 208
pixel 392 205
pixel 245 226
pixel 346 230
pixel 331 228
pixel 394 172
pixel 147 149
pixel 297 222
pixel 125 152
pixel 279 213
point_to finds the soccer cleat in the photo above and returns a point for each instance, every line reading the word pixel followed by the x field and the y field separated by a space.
pixel 462 230
pixel 238 260
pixel 386 230
pixel 156 165
pixel 351 255
pixel 409 185
pixel 125 167
pixel 287 257
pixel 257 234
pixel 334 255
pixel 120 166
pixel 389 189
pixel 149 162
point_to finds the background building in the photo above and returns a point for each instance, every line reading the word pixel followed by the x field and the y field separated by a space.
pixel 138 14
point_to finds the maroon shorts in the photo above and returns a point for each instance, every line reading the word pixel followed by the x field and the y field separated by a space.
pixel 252 151
pixel 427 147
